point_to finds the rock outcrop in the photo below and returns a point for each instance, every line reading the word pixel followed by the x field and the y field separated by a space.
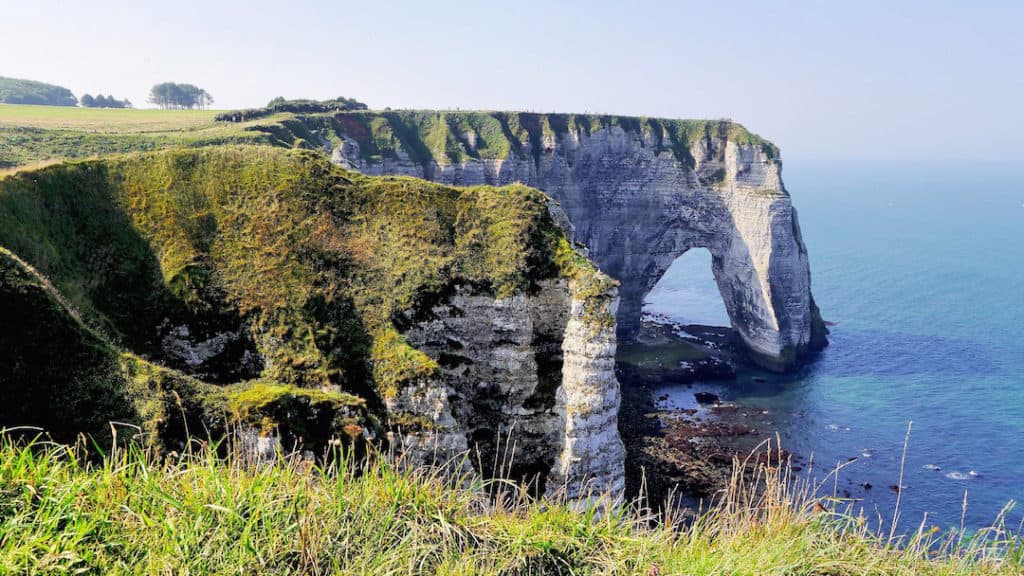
pixel 638 192
pixel 527 382
pixel 267 291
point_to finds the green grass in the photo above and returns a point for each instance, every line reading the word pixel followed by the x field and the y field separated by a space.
pixel 197 513
pixel 111 120
pixel 40 134
pixel 321 265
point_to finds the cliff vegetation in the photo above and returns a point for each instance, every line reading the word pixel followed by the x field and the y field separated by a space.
pixel 199 513
pixel 31 134
pixel 283 283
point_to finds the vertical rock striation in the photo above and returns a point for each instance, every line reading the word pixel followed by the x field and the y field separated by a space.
pixel 639 193
pixel 527 384
pixel 587 403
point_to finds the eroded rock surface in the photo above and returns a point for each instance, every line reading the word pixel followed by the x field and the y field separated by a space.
pixel 638 196
pixel 528 386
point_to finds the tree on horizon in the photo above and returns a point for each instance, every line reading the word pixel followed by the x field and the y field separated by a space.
pixel 174 96
pixel 101 101
pixel 20 91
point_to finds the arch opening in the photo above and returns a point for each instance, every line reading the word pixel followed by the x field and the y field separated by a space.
pixel 687 292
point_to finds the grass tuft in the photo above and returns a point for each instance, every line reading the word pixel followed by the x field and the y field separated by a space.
pixel 200 513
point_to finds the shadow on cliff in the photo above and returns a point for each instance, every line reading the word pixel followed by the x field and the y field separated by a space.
pixel 67 375
pixel 68 223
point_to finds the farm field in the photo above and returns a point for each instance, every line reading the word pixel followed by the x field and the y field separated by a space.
pixel 31 136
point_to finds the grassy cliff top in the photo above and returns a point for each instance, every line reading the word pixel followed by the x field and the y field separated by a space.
pixel 32 134
pixel 319 269
pixel 455 136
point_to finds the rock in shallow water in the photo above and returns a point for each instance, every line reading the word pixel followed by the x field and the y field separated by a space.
pixel 706 398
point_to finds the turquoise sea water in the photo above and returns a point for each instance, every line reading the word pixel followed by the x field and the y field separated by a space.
pixel 921 268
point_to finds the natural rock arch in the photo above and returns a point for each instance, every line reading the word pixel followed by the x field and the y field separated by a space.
pixel 687 292
pixel 636 198
pixel 745 219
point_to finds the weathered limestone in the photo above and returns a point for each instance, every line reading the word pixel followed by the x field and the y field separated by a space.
pixel 538 369
pixel 636 207
pixel 527 383
pixel 588 405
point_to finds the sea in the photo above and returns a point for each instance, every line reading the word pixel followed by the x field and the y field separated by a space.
pixel 920 271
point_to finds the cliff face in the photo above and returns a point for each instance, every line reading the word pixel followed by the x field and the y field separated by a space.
pixel 527 382
pixel 308 306
pixel 639 193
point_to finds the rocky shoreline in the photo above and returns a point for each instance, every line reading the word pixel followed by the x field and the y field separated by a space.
pixel 683 452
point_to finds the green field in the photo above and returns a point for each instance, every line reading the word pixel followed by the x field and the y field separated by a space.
pixel 33 135
pixel 106 120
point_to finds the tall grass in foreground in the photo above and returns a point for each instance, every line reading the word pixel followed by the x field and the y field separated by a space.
pixel 200 514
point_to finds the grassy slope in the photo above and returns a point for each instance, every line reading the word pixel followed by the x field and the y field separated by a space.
pixel 197 514
pixel 64 376
pixel 319 264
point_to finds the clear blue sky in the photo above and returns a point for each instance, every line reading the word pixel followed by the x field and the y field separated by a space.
pixel 896 81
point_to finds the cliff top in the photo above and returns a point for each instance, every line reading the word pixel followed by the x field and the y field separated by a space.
pixel 455 136
pixel 33 134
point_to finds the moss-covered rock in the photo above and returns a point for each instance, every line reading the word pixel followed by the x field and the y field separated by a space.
pixel 186 264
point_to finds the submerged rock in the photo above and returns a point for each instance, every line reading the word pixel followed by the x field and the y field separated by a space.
pixel 706 398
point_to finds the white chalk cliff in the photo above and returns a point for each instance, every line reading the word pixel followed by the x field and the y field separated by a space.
pixel 529 381
pixel 638 193
pixel 527 385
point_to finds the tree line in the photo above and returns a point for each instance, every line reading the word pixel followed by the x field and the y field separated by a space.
pixel 167 95
pixel 20 91
pixel 101 101
pixel 174 96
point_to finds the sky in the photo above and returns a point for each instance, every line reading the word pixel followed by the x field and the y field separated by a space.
pixel 921 82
